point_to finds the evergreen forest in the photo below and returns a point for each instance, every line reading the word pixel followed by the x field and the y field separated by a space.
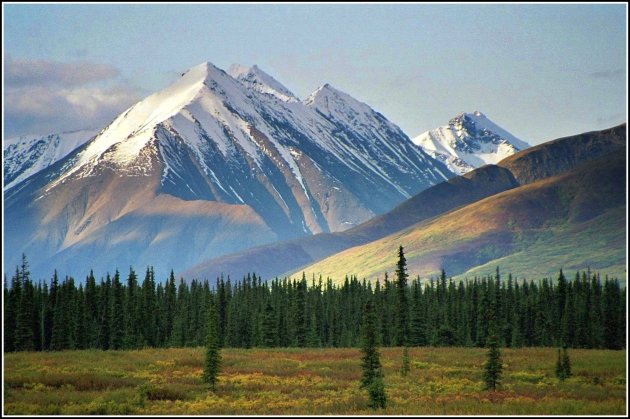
pixel 125 311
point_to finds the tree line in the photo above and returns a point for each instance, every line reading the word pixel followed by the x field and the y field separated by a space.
pixel 124 312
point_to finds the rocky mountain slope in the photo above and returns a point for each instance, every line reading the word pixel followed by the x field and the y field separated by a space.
pixel 569 212
pixel 213 164
pixel 534 164
pixel 26 155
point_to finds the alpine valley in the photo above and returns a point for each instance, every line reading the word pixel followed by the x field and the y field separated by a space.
pixel 216 163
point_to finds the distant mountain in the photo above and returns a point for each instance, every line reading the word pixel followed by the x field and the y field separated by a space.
pixel 469 141
pixel 570 215
pixel 26 155
pixel 211 165
pixel 534 164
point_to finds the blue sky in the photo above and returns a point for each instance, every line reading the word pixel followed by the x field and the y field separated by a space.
pixel 540 71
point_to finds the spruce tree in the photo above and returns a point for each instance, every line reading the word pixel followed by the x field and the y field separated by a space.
pixel 613 315
pixel 170 295
pixel 39 325
pixel 372 378
pixel 24 339
pixel 299 314
pixel 212 364
pixel 59 334
pixel 559 369
pixel 91 304
pixel 493 367
pixel 11 306
pixel 50 311
pixel 563 365
pixel 81 332
pixel 313 340
pixel 406 363
pixel 117 319
pixel 402 324
pixel 269 329
pixel 566 363
pixel 132 337
pixel 568 323
pixel 179 336
pixel 561 297
pixel 24 320
pixel 149 306
pixel 370 361
pixel 418 335
pixel 104 314
pixel 376 391
pixel 70 312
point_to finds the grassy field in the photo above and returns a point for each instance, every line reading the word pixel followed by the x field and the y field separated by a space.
pixel 309 381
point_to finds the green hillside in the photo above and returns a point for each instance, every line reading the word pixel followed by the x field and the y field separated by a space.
pixel 573 220
pixel 532 165
pixel 597 244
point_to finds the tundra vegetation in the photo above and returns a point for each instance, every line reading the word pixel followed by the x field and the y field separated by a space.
pixel 286 348
pixel 442 380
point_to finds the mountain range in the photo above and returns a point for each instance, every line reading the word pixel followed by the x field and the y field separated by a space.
pixel 213 164
pixel 230 172
pixel 558 204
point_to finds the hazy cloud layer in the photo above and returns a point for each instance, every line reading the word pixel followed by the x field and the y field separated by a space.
pixel 42 96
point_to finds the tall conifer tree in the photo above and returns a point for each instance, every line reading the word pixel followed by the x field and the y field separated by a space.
pixel 402 322
pixel 212 363
pixel 372 378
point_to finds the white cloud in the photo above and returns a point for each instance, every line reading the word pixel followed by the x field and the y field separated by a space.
pixel 43 72
pixel 43 97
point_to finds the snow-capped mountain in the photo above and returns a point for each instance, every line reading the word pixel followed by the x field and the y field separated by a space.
pixel 256 79
pixel 469 141
pixel 28 154
pixel 212 164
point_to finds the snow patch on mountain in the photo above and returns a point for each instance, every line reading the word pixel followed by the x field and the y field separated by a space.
pixel 214 138
pixel 256 79
pixel 343 110
pixel 26 155
pixel 469 141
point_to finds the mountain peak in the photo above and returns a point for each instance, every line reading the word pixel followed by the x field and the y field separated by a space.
pixel 201 73
pixel 470 140
pixel 256 79
pixel 133 128
pixel 328 100
pixel 323 90
pixel 471 114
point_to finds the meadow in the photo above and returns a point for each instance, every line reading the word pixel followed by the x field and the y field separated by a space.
pixel 442 381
